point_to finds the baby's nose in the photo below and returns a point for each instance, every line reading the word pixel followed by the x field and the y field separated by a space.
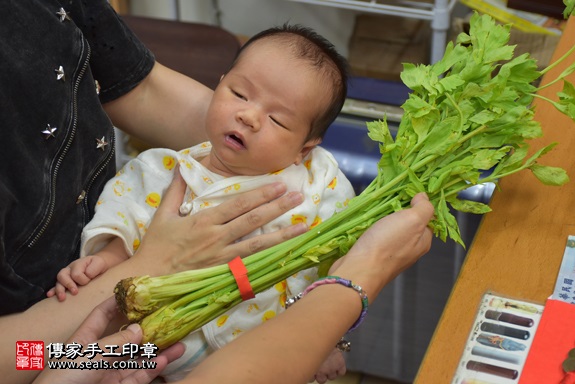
pixel 249 117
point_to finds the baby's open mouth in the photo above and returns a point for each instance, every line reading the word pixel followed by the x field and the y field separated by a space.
pixel 236 139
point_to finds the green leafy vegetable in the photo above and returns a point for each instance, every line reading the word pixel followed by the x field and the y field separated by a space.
pixel 569 8
pixel 467 121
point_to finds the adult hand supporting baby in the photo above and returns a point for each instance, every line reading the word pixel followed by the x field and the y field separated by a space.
pixel 210 236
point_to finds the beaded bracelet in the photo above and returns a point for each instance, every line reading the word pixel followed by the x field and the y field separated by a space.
pixel 336 280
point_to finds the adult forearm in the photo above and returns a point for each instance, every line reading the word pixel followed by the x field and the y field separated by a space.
pixel 167 109
pixel 288 348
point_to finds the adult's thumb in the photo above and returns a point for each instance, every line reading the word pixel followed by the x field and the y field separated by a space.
pixel 174 194
pixel 132 335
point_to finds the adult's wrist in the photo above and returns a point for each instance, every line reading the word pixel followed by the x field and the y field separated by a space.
pixel 371 277
pixel 332 279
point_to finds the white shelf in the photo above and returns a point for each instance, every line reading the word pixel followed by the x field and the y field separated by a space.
pixel 438 12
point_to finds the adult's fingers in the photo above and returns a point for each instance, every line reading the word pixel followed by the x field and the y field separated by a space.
pixel 250 208
pixel 210 236
pixel 145 376
pixel 253 209
pixel 245 213
pixel 240 215
pixel 388 247
pixel 258 243
pixel 420 205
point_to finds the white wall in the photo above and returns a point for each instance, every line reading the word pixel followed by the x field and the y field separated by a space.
pixel 247 17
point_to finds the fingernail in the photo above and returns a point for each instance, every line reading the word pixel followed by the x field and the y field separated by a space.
pixel 135 328
pixel 300 228
pixel 295 197
pixel 279 187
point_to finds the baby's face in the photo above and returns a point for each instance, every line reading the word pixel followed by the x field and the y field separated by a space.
pixel 262 111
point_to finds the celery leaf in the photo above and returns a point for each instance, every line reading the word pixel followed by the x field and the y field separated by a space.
pixel 550 175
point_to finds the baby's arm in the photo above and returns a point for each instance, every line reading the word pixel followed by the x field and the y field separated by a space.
pixel 83 270
pixel 331 368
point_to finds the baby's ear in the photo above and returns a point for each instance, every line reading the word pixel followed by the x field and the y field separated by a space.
pixel 307 147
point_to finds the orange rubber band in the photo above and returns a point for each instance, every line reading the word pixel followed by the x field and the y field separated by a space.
pixel 240 273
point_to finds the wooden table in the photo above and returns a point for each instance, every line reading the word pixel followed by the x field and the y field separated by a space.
pixel 519 246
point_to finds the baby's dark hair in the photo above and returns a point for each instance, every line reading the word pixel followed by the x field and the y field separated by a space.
pixel 321 54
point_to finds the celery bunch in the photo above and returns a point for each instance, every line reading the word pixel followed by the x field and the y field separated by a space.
pixel 468 113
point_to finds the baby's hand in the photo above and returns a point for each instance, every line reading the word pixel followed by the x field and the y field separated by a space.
pixel 331 368
pixel 79 272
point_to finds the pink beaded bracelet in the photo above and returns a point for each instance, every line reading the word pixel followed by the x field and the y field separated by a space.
pixel 344 282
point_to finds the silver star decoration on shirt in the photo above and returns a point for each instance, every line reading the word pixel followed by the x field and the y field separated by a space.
pixel 101 143
pixel 49 132
pixel 63 15
pixel 60 75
